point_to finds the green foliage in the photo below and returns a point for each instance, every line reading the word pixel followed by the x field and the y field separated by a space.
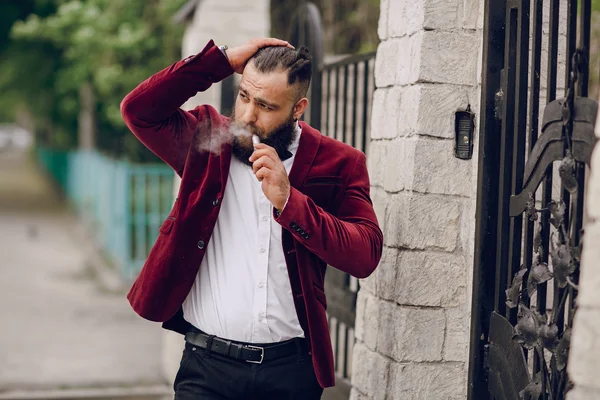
pixel 111 44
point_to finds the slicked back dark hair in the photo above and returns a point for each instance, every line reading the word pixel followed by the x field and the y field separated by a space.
pixel 297 63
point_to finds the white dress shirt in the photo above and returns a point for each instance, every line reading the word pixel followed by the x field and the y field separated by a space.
pixel 242 291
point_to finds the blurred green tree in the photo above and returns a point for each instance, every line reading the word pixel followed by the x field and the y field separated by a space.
pixel 110 45
pixel 24 79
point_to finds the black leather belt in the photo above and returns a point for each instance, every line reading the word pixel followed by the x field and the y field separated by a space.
pixel 243 351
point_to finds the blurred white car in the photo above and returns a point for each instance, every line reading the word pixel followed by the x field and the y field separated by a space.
pixel 14 137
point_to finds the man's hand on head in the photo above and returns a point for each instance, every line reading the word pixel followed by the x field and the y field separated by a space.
pixel 269 170
pixel 239 55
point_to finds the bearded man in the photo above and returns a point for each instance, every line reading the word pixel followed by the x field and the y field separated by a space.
pixel 238 267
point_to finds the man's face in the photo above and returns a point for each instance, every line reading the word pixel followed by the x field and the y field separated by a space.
pixel 265 104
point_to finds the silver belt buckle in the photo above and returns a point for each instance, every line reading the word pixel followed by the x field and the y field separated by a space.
pixel 262 354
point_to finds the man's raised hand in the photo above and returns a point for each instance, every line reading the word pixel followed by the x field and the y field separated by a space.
pixel 239 55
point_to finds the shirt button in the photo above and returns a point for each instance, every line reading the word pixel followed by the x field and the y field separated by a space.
pixel 265 218
pixel 261 284
pixel 215 202
pixel 262 250
pixel 201 244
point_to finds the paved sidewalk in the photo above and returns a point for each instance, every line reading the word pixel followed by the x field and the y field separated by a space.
pixel 59 329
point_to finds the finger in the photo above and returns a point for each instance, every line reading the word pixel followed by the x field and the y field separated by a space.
pixel 264 150
pixel 265 42
pixel 263 174
pixel 261 147
pixel 263 162
pixel 277 42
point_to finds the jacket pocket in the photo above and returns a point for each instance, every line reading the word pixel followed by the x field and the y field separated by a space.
pixel 167 226
pixel 323 190
pixel 322 180
pixel 320 295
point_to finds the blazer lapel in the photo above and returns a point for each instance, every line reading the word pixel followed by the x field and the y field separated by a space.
pixel 310 139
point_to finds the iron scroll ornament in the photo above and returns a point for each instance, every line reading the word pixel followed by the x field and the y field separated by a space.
pixel 551 147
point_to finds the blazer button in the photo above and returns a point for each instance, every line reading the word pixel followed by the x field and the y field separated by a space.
pixel 201 244
pixel 215 202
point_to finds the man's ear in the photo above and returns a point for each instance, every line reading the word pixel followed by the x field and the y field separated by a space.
pixel 300 107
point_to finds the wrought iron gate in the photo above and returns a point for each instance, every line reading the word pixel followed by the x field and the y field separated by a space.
pixel 530 198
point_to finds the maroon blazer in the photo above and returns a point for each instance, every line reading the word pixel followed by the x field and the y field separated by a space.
pixel 328 220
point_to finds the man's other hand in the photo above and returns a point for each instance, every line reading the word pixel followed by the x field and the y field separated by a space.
pixel 239 55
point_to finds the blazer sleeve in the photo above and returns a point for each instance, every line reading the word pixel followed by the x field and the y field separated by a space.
pixel 351 240
pixel 152 110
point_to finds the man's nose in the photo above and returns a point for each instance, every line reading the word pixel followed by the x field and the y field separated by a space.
pixel 249 116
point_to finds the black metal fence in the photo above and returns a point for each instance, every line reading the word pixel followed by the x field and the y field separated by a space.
pixel 348 86
pixel 530 196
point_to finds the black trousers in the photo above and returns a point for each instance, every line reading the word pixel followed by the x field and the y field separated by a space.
pixel 210 376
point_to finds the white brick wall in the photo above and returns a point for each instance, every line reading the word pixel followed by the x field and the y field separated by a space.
pixel 584 358
pixel 413 312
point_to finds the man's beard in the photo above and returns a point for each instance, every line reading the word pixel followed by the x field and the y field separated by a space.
pixel 280 139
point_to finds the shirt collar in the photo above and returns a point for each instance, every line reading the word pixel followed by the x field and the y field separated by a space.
pixel 294 145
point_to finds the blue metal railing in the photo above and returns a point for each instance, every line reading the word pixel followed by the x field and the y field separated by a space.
pixel 122 203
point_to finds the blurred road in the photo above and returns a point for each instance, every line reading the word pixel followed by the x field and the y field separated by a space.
pixel 61 335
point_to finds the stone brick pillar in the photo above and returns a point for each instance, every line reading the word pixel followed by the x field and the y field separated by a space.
pixel 584 358
pixel 413 313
